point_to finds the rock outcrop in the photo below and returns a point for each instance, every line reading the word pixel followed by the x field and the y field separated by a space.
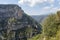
pixel 15 24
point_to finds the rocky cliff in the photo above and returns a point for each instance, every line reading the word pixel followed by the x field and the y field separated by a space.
pixel 15 24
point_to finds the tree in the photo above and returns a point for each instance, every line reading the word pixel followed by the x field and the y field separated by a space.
pixel 49 25
pixel 51 28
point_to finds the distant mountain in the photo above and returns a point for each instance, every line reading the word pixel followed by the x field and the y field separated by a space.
pixel 15 24
pixel 39 18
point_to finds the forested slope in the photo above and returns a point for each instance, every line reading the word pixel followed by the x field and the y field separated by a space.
pixel 51 28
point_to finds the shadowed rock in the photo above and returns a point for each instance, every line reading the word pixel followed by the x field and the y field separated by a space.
pixel 14 23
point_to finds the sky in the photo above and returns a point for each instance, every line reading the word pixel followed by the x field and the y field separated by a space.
pixel 36 7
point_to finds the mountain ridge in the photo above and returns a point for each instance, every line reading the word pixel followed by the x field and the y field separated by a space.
pixel 14 20
pixel 39 18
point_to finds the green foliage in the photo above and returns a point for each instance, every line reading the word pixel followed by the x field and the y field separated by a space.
pixel 37 37
pixel 51 28
pixel 58 35
pixel 49 25
pixel 11 20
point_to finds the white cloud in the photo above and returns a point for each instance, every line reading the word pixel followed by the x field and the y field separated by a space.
pixel 51 1
pixel 34 2
pixel 48 10
pixel 44 10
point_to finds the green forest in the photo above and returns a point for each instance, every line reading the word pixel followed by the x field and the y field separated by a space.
pixel 51 28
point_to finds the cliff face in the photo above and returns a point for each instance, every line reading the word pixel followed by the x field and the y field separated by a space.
pixel 10 11
pixel 15 24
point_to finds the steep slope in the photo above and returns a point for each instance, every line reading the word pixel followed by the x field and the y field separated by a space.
pixel 15 24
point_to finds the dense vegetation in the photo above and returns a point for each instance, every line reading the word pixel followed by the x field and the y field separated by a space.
pixel 51 28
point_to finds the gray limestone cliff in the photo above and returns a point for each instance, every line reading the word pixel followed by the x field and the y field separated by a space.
pixel 15 24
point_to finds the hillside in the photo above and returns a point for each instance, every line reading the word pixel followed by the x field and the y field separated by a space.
pixel 39 18
pixel 50 27
pixel 16 25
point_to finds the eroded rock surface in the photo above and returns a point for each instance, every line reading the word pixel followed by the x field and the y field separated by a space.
pixel 15 24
